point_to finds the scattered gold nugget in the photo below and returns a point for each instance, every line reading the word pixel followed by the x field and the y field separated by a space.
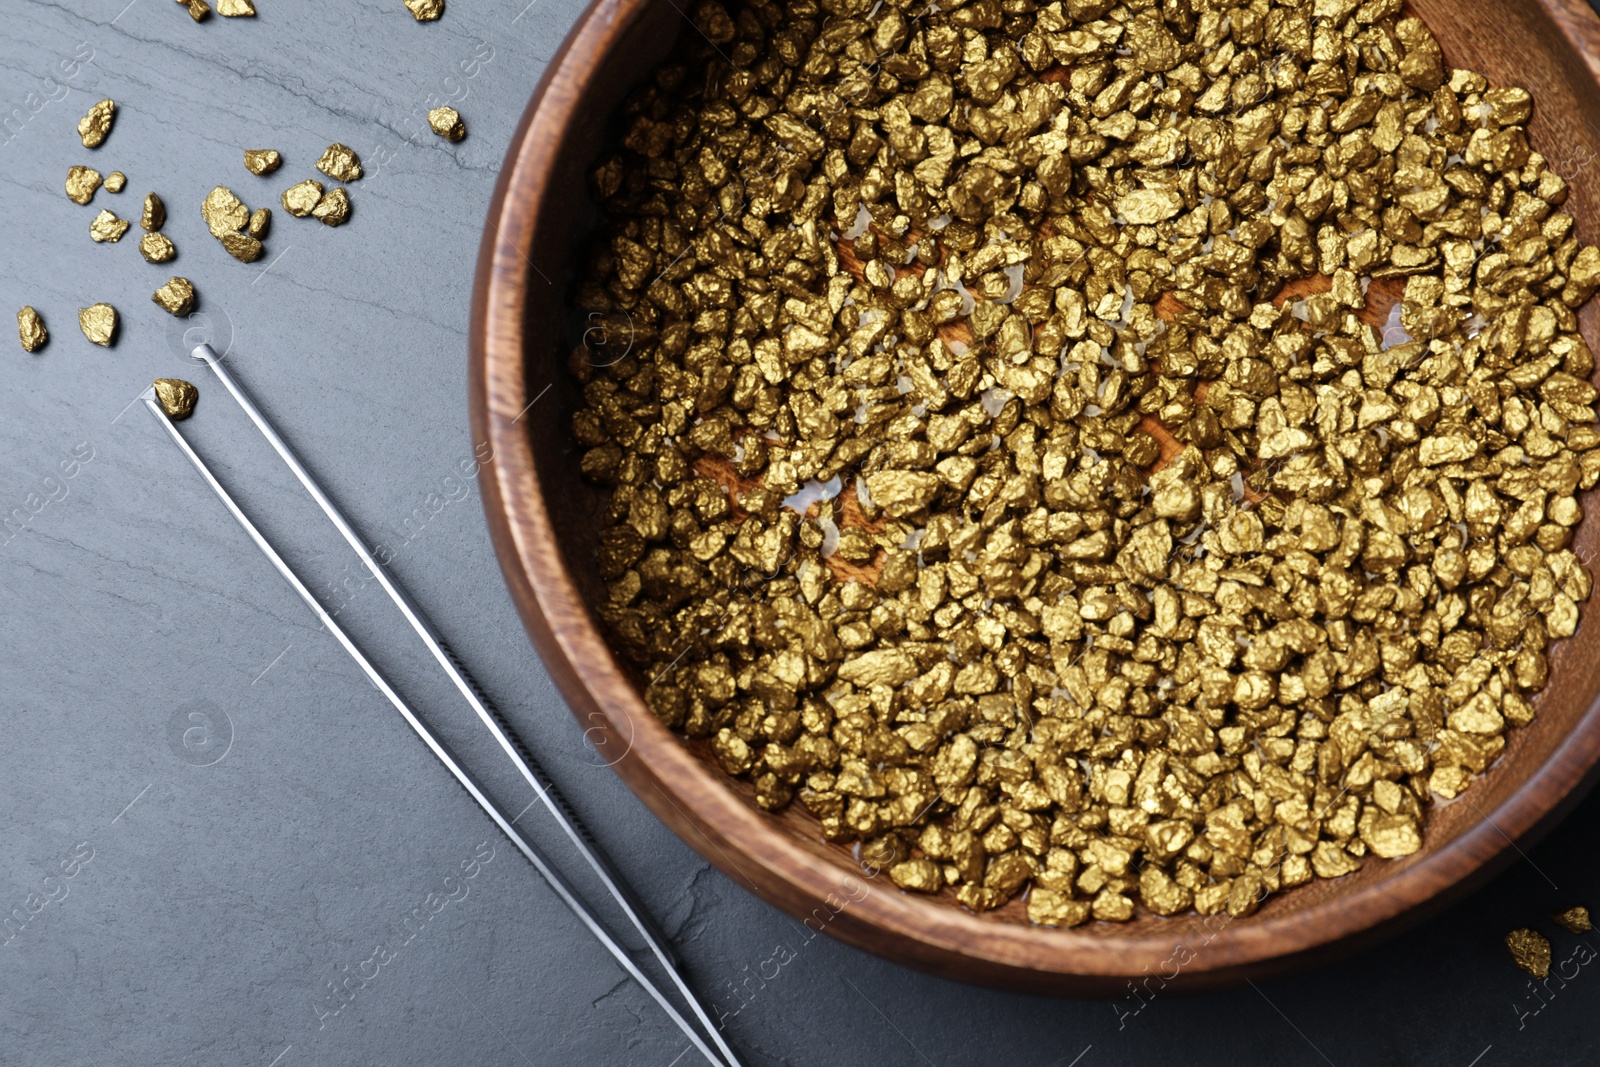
pixel 30 328
pixel 81 184
pixel 1574 920
pixel 176 297
pixel 259 221
pixel 98 323
pixel 446 122
pixel 1530 950
pixel 242 246
pixel 116 181
pixel 334 208
pixel 224 213
pixel 94 127
pixel 156 248
pixel 425 10
pixel 155 213
pixel 198 9
pixel 340 163
pixel 176 397
pixel 236 9
pixel 262 160
pixel 107 227
pixel 300 200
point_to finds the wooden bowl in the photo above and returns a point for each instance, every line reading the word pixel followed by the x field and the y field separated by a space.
pixel 544 520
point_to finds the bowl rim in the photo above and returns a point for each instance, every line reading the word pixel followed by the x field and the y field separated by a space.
pixel 731 833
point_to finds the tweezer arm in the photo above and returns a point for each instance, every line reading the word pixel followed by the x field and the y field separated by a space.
pixel 524 761
pixel 440 751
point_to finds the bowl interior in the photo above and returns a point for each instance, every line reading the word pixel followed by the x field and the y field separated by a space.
pixel 1513 43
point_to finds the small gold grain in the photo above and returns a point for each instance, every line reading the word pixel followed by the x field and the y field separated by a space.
pixel 98 323
pixel 156 248
pixel 425 10
pixel 1530 950
pixel 334 208
pixel 198 9
pixel 1574 920
pixel 176 397
pixel 340 163
pixel 260 219
pixel 242 246
pixel 236 9
pixel 116 181
pixel 223 212
pixel 176 297
pixel 95 127
pixel 155 213
pixel 446 122
pixel 299 200
pixel 262 160
pixel 30 328
pixel 81 184
pixel 107 227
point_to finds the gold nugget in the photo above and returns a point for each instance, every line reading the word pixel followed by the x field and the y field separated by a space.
pixel 241 246
pixel 176 397
pixel 116 181
pixel 98 323
pixel 224 213
pixel 176 297
pixel 95 127
pixel 300 200
pixel 156 248
pixel 1574 920
pixel 81 184
pixel 340 163
pixel 107 227
pixel 262 160
pixel 446 122
pixel 30 328
pixel 260 219
pixel 198 9
pixel 334 208
pixel 155 213
pixel 235 9
pixel 1530 950
pixel 425 10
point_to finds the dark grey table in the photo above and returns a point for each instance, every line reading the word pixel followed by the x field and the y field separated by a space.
pixel 212 821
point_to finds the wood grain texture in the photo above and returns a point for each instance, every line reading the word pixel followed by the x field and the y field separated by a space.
pixel 543 519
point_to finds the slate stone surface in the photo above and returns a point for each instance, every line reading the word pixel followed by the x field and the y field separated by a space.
pixel 211 821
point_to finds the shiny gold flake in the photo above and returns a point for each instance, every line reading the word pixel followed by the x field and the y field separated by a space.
pixel 82 183
pixel 1530 950
pixel 107 227
pixel 340 163
pixel 98 323
pixel 95 127
pixel 299 200
pixel 176 397
pixel 235 9
pixel 422 11
pixel 223 212
pixel 242 246
pixel 446 122
pixel 30 328
pixel 116 181
pixel 176 297
pixel 260 219
pixel 262 160
pixel 156 248
pixel 155 213
pixel 334 208
pixel 1574 920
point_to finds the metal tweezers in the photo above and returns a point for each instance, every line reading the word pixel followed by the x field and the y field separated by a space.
pixel 518 754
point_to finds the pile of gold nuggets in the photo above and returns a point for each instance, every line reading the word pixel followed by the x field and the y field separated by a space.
pixel 1122 453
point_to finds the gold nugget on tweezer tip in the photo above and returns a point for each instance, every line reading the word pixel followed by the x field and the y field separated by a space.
pixel 95 127
pixel 98 323
pixel 30 329
pixel 176 396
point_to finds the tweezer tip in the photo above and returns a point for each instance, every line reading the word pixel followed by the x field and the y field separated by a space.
pixel 203 351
